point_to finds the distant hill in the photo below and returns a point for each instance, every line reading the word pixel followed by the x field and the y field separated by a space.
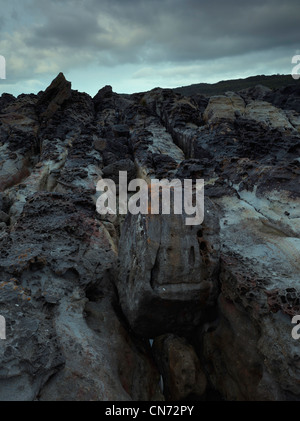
pixel 272 82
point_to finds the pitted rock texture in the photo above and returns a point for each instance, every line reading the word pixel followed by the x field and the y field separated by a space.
pixel 84 293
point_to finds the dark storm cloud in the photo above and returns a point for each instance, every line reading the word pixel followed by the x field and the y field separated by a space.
pixel 67 30
pixel 171 38
pixel 171 30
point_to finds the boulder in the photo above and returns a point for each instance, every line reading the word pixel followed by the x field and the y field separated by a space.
pixel 181 370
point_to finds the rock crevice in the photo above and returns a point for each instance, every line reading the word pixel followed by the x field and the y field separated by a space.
pixel 83 293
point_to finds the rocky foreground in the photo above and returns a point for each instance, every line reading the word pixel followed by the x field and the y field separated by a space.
pixel 145 307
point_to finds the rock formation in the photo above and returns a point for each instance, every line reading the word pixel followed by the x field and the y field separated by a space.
pixel 144 307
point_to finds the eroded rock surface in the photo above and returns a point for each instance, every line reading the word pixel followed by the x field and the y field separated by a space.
pixel 83 293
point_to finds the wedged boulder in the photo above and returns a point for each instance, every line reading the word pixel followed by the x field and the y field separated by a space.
pixel 181 369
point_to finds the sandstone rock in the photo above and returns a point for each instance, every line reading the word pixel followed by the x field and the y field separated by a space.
pixel 224 107
pixel 262 111
pixel 82 295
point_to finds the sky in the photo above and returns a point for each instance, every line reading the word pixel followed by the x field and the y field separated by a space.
pixel 137 45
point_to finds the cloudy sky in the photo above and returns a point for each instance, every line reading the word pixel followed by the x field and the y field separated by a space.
pixel 136 45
